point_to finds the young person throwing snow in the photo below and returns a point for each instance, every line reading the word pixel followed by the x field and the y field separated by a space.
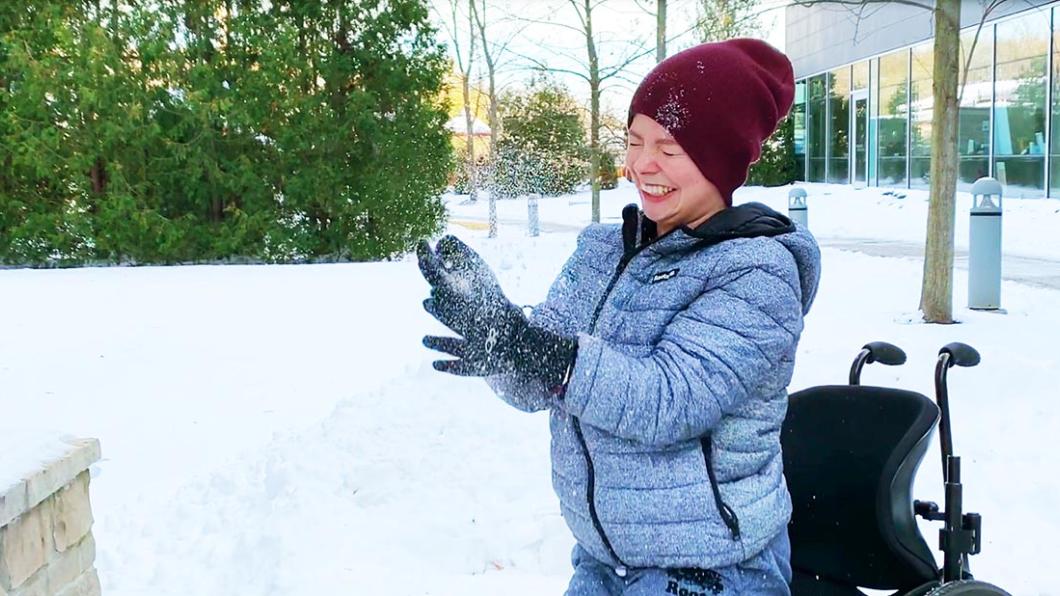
pixel 664 348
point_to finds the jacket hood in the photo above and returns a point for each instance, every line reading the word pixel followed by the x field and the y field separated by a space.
pixel 748 220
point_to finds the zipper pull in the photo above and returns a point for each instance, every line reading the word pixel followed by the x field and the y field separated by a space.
pixel 731 521
pixel 621 571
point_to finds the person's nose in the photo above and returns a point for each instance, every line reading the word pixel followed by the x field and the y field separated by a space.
pixel 645 163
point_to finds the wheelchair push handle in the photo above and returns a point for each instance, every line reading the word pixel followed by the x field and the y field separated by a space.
pixel 876 351
pixel 962 532
pixel 951 354
pixel 960 354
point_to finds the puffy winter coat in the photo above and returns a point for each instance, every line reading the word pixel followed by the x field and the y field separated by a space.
pixel 666 442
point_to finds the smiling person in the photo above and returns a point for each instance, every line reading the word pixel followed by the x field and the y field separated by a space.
pixel 664 348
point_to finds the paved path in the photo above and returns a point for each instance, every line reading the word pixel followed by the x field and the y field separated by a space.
pixel 1044 273
pixel 1040 272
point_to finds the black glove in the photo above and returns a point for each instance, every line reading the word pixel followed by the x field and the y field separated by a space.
pixel 495 335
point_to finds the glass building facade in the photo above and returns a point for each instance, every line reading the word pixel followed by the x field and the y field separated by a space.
pixel 869 123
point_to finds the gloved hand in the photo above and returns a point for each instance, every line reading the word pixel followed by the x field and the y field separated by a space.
pixel 495 335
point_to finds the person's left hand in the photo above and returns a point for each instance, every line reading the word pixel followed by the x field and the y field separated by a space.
pixel 495 335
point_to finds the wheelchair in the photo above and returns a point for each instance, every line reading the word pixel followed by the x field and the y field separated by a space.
pixel 850 456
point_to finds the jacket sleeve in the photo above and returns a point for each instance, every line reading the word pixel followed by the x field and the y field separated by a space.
pixel 711 357
pixel 529 394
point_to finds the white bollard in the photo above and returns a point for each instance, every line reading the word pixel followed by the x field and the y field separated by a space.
pixel 798 212
pixel 493 216
pixel 533 220
pixel 984 246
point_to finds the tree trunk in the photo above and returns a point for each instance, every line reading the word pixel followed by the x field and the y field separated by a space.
pixel 594 112
pixel 491 68
pixel 660 30
pixel 936 297
pixel 480 20
pixel 7 180
pixel 472 175
pixel 98 174
pixel 495 123
pixel 470 153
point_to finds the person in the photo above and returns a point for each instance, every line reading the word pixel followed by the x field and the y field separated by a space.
pixel 664 348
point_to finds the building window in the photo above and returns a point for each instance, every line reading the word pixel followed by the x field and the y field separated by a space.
pixel 816 127
pixel 894 112
pixel 921 108
pixel 798 116
pixel 874 119
pixel 1019 104
pixel 861 76
pixel 1054 180
pixel 973 129
pixel 859 120
pixel 839 129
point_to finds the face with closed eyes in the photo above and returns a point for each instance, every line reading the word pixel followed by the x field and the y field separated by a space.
pixel 673 191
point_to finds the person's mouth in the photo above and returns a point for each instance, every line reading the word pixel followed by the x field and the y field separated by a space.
pixel 656 193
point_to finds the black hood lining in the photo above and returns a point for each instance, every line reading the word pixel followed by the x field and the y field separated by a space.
pixel 750 220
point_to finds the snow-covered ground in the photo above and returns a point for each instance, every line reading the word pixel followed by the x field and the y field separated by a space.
pixel 835 212
pixel 279 429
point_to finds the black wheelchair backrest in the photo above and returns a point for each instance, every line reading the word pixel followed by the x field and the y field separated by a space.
pixel 850 457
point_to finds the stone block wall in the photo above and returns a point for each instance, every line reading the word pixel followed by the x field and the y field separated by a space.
pixel 46 544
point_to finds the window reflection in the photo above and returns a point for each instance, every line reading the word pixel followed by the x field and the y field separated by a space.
pixel 973 128
pixel 874 119
pixel 894 109
pixel 861 76
pixel 1019 105
pixel 921 104
pixel 1055 144
pixel 816 127
pixel 1003 103
pixel 798 115
pixel 839 96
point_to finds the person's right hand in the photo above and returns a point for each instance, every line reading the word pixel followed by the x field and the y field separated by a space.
pixel 467 266
pixel 495 335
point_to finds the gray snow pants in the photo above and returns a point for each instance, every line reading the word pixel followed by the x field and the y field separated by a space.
pixel 766 574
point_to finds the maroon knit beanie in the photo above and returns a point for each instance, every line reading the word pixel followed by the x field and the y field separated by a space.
pixel 719 101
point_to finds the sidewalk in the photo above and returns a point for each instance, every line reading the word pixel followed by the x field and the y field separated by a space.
pixel 1043 273
pixel 1033 271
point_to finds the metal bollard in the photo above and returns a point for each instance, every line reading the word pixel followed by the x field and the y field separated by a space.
pixel 493 216
pixel 533 221
pixel 984 246
pixel 797 209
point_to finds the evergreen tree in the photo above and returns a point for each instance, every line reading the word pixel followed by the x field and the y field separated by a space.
pixel 193 130
pixel 777 165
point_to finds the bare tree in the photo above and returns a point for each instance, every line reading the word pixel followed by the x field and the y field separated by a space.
pixel 465 59
pixel 660 25
pixel 725 19
pixel 596 75
pixel 936 290
pixel 715 20
pixel 493 55
pixel 660 30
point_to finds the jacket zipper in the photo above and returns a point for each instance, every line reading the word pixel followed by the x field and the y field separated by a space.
pixel 590 490
pixel 727 514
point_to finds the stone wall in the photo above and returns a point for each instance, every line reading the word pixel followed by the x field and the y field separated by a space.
pixel 46 544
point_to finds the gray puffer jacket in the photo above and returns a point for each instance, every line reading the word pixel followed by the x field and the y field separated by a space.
pixel 666 442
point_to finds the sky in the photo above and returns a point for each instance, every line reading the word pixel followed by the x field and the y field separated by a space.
pixel 547 31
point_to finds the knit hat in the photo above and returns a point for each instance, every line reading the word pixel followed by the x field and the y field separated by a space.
pixel 719 101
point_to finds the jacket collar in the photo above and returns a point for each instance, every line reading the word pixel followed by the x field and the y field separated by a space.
pixel 749 220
